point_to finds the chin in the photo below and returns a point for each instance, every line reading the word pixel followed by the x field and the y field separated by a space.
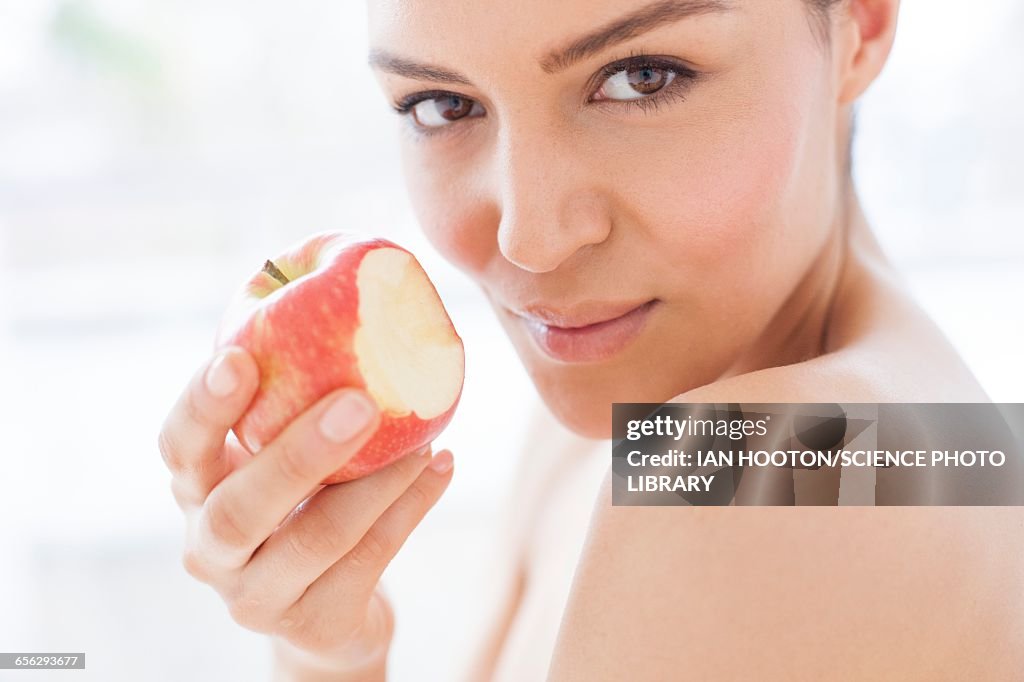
pixel 581 397
pixel 588 421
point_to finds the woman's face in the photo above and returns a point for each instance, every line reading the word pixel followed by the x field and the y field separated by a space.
pixel 637 187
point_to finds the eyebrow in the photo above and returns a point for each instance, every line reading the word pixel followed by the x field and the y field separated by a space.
pixel 641 21
pixel 385 61
pixel 636 23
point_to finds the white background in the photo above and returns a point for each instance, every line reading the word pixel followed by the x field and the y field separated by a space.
pixel 153 151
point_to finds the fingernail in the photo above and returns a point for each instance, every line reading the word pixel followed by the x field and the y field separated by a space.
pixel 221 378
pixel 442 462
pixel 349 415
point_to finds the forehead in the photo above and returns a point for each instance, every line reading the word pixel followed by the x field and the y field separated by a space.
pixel 503 30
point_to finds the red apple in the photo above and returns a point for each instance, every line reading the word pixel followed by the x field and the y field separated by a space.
pixel 343 310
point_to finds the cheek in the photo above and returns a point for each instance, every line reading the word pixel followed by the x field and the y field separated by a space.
pixel 735 210
pixel 734 200
pixel 735 190
pixel 450 208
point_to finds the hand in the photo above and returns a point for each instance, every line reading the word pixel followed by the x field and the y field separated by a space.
pixel 293 559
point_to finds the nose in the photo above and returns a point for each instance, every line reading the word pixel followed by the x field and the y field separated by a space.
pixel 550 201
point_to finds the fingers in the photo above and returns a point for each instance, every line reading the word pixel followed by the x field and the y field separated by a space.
pixel 323 530
pixel 307 624
pixel 192 438
pixel 247 506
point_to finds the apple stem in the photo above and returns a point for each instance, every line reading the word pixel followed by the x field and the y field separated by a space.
pixel 274 272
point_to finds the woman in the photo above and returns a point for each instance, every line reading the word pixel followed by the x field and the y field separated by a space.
pixel 656 199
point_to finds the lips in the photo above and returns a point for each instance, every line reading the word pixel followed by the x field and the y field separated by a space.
pixel 589 332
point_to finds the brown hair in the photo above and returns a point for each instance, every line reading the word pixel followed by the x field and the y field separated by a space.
pixel 821 17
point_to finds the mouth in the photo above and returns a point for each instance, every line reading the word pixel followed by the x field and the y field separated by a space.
pixel 589 333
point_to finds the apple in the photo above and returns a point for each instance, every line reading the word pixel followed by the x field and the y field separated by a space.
pixel 343 310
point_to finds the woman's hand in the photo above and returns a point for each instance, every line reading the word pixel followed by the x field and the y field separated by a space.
pixel 293 559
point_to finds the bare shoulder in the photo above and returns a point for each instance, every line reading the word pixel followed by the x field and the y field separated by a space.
pixel 772 593
pixel 816 593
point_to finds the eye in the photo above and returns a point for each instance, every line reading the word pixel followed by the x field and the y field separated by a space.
pixel 635 82
pixel 439 109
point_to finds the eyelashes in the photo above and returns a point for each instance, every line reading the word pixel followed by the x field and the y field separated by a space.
pixel 437 110
pixel 676 77
pixel 643 82
pixel 407 103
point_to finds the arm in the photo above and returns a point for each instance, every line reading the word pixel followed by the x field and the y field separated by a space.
pixel 294 665
pixel 816 593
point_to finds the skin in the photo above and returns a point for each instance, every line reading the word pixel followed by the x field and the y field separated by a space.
pixel 732 207
pixel 719 205
pixel 292 559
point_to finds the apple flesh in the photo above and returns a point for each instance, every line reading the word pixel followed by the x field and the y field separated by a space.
pixel 342 310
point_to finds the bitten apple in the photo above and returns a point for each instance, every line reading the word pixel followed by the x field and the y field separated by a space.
pixel 343 310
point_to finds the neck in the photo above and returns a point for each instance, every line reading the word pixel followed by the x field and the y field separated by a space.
pixel 801 328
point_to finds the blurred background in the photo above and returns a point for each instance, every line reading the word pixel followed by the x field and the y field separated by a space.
pixel 152 152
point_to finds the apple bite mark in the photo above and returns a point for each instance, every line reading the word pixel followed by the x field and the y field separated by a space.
pixel 406 347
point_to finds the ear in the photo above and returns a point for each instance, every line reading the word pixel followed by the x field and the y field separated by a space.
pixel 865 30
